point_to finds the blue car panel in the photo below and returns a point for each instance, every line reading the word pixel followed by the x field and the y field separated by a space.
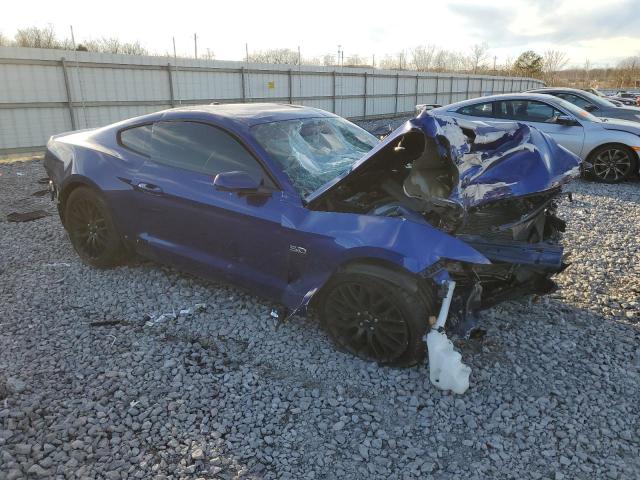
pixel 286 246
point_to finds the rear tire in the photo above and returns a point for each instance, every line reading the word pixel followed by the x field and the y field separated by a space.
pixel 612 163
pixel 91 229
pixel 375 319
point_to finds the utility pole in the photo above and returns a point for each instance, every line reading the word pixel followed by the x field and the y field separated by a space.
pixel 299 57
pixel 246 49
pixel 175 55
pixel 338 57
pixel 373 61
pixel 195 44
pixel 73 39
pixel 494 64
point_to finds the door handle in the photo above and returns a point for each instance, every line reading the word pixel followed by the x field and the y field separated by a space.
pixel 149 188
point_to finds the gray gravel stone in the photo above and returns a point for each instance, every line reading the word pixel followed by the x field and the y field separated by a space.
pixel 554 386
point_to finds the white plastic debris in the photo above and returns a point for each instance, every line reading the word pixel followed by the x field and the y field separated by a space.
pixel 186 312
pixel 446 370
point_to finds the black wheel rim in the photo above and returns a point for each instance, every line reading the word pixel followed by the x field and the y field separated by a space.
pixel 365 320
pixel 612 165
pixel 88 228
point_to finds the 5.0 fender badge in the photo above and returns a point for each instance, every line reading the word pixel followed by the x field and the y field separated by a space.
pixel 297 249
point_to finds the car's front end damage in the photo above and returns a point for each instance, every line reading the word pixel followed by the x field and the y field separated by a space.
pixel 495 190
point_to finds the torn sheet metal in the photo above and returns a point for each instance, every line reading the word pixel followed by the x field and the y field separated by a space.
pixel 503 162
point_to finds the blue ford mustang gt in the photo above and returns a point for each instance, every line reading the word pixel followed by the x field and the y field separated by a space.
pixel 307 209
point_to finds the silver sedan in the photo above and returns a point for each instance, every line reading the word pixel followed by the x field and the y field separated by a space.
pixel 609 147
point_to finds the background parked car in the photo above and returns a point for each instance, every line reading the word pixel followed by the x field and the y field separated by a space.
pixel 608 147
pixel 598 106
pixel 628 98
pixel 598 93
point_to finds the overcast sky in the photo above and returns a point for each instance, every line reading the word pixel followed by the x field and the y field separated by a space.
pixel 602 31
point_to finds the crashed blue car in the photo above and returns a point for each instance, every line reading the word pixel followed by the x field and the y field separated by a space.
pixel 302 207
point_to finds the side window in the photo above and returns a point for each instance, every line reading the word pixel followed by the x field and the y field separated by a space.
pixel 477 110
pixel 202 148
pixel 526 110
pixel 137 139
pixel 575 99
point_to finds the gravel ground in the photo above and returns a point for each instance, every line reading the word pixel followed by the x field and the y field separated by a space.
pixel 222 394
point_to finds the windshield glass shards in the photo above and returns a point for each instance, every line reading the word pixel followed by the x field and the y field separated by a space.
pixel 312 151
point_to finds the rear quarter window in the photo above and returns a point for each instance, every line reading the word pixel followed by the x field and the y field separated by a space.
pixel 137 139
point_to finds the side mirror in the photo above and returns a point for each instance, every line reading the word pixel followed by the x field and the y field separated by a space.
pixel 566 120
pixel 589 107
pixel 236 181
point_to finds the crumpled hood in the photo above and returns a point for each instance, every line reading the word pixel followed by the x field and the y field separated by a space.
pixel 507 162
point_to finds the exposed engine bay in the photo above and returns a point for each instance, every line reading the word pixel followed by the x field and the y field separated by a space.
pixel 462 187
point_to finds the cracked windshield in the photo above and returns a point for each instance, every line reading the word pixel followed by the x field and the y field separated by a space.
pixel 313 151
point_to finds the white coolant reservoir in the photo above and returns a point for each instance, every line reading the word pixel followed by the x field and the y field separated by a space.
pixel 446 370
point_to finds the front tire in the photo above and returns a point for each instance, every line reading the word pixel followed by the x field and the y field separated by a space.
pixel 91 229
pixel 612 163
pixel 375 319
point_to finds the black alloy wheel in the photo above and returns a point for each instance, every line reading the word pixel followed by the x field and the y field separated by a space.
pixel 91 229
pixel 612 164
pixel 375 320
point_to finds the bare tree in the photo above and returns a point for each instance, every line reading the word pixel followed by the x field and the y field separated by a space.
pixel 36 37
pixel 114 45
pixel 586 79
pixel 422 57
pixel 356 60
pixel 328 60
pixel 275 55
pixel 390 62
pixel 552 62
pixel 628 72
pixel 507 66
pixel 4 41
pixel 478 57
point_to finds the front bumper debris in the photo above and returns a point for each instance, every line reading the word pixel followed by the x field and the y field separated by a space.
pixel 446 370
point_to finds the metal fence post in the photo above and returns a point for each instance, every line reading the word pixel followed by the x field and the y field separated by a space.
pixel 417 82
pixel 397 89
pixel 468 82
pixel 172 98
pixel 334 92
pixel 437 87
pixel 67 87
pixel 244 91
pixel 364 103
pixel 290 88
pixel 451 89
pixel 493 85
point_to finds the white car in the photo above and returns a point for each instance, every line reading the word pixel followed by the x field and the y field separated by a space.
pixel 609 147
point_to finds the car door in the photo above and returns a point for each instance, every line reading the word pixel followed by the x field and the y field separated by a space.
pixel 186 221
pixel 542 116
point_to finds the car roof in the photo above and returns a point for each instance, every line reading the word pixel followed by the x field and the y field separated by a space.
pixel 504 96
pixel 248 114
pixel 557 89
